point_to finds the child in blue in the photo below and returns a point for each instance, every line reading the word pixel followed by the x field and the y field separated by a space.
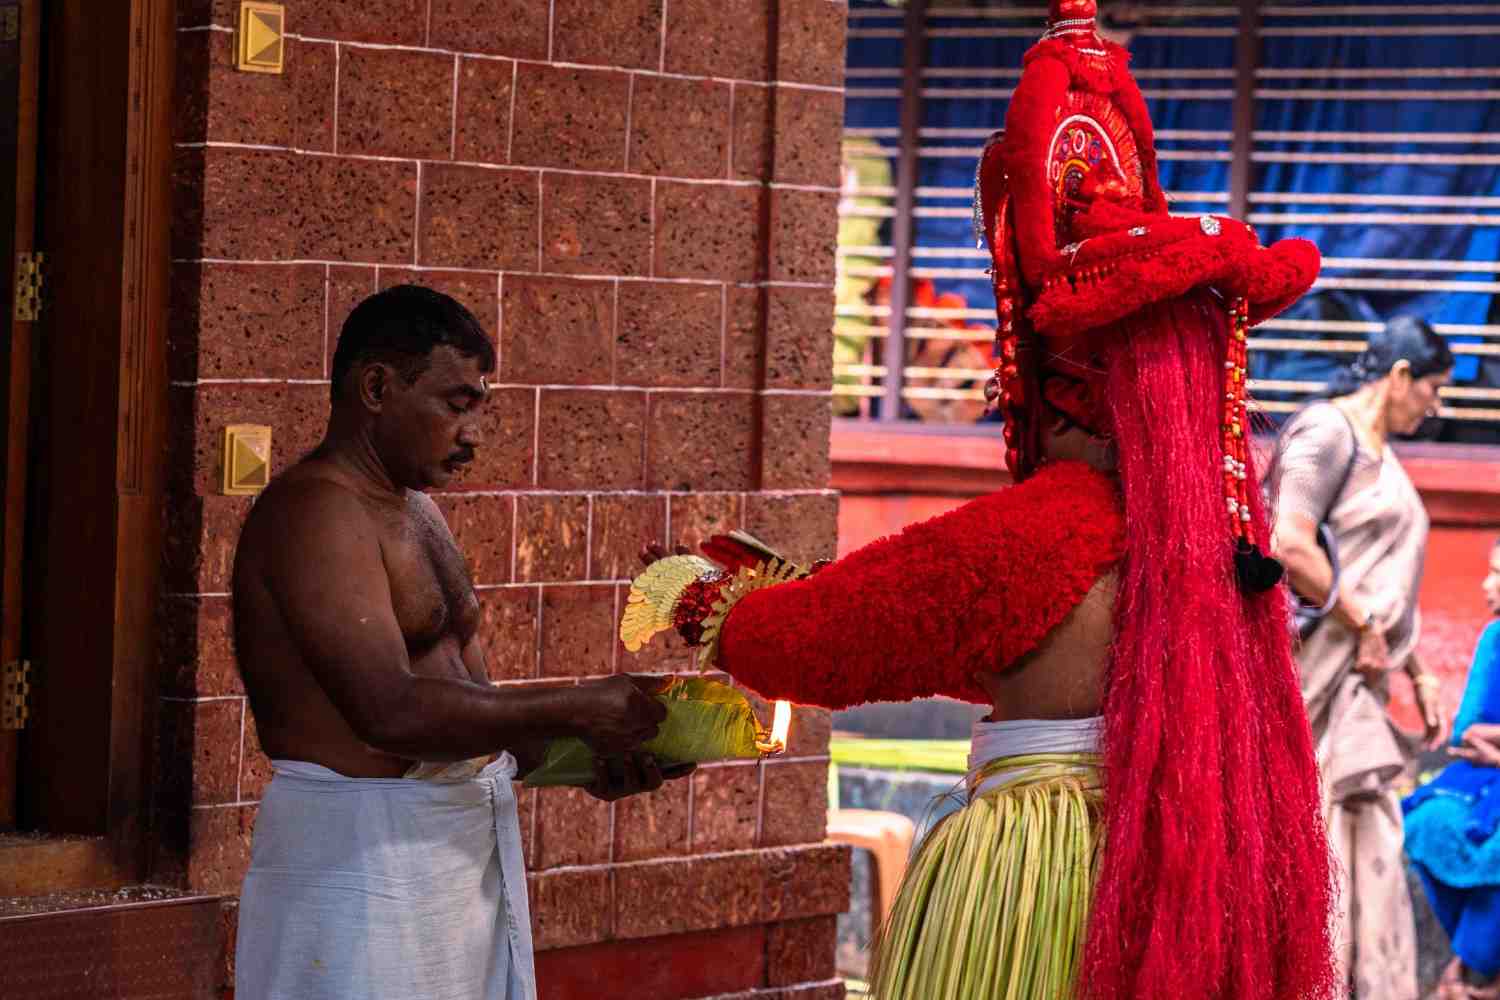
pixel 1453 824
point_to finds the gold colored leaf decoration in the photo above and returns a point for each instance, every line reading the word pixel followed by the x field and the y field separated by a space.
pixel 654 596
pixel 743 583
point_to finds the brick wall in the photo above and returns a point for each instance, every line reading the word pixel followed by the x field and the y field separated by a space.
pixel 638 198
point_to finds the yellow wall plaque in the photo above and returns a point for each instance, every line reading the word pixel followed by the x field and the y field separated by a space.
pixel 262 47
pixel 247 459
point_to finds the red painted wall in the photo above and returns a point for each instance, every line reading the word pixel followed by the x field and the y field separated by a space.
pixel 1453 611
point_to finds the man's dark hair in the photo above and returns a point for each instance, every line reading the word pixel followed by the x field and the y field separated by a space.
pixel 401 327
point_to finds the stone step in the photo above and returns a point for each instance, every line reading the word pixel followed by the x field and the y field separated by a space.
pixel 139 941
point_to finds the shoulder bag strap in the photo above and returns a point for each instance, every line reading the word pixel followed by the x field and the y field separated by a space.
pixel 1325 532
pixel 1348 466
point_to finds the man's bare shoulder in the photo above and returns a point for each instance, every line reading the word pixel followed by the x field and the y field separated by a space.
pixel 306 492
pixel 300 511
pixel 423 504
pixel 427 509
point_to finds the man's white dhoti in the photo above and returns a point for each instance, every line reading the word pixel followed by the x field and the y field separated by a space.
pixel 385 889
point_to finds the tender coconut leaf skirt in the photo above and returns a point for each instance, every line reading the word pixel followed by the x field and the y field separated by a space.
pixel 995 903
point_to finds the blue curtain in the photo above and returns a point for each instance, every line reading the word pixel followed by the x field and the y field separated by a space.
pixel 1381 86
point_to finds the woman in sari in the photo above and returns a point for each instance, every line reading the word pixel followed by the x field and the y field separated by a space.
pixel 1453 824
pixel 1334 465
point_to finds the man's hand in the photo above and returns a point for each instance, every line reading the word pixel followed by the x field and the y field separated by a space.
pixel 1374 656
pixel 621 776
pixel 620 713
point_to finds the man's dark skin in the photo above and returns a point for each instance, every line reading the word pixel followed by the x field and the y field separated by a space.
pixel 356 624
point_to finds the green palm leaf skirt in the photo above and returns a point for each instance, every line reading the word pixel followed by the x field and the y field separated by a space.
pixel 995 903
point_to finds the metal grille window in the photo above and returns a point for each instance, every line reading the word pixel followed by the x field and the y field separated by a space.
pixel 1368 128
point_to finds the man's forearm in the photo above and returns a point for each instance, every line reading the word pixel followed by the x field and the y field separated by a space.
pixel 529 754
pixel 439 718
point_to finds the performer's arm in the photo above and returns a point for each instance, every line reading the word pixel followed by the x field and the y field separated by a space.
pixel 918 613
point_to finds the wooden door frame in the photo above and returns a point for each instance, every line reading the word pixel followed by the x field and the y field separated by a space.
pixel 16 418
pixel 104 205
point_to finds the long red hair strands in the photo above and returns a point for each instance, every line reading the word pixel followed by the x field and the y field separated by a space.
pixel 1215 879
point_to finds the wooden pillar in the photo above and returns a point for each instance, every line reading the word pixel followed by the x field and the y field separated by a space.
pixel 1246 61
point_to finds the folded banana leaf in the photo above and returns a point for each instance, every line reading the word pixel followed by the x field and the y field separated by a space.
pixel 706 721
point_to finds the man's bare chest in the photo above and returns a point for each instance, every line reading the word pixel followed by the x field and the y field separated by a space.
pixel 431 593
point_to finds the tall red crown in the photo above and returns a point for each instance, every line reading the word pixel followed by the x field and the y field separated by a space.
pixel 1069 201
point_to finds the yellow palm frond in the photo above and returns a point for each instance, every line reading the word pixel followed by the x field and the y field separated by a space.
pixel 654 596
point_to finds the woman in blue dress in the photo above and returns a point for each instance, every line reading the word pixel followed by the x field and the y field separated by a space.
pixel 1453 824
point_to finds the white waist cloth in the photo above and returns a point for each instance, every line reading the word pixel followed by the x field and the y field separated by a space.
pixel 992 741
pixel 385 889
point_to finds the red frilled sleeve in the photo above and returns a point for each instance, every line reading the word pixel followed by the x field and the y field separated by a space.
pixel 916 614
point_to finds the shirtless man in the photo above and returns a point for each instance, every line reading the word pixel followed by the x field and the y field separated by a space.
pixel 357 633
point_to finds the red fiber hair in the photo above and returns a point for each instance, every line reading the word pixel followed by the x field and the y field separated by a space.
pixel 1215 879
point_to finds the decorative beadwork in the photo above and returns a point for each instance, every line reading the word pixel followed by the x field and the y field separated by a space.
pixel 979 233
pixel 1236 440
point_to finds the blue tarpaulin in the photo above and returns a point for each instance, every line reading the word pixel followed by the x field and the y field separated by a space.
pixel 1374 137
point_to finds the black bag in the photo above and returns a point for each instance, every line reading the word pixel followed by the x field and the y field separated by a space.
pixel 1307 617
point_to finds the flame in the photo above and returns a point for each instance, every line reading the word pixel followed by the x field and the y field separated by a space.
pixel 773 743
pixel 781 723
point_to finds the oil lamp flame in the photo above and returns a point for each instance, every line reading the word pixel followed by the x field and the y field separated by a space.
pixel 774 742
pixel 781 723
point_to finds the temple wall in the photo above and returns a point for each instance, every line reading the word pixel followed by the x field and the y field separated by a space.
pixel 638 198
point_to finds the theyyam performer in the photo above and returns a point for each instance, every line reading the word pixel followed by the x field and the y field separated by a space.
pixel 1143 811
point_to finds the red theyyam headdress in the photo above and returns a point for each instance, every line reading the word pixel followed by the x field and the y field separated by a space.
pixel 1077 224
pixel 1114 315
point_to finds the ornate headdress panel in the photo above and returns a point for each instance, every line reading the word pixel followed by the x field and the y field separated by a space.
pixel 1092 144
